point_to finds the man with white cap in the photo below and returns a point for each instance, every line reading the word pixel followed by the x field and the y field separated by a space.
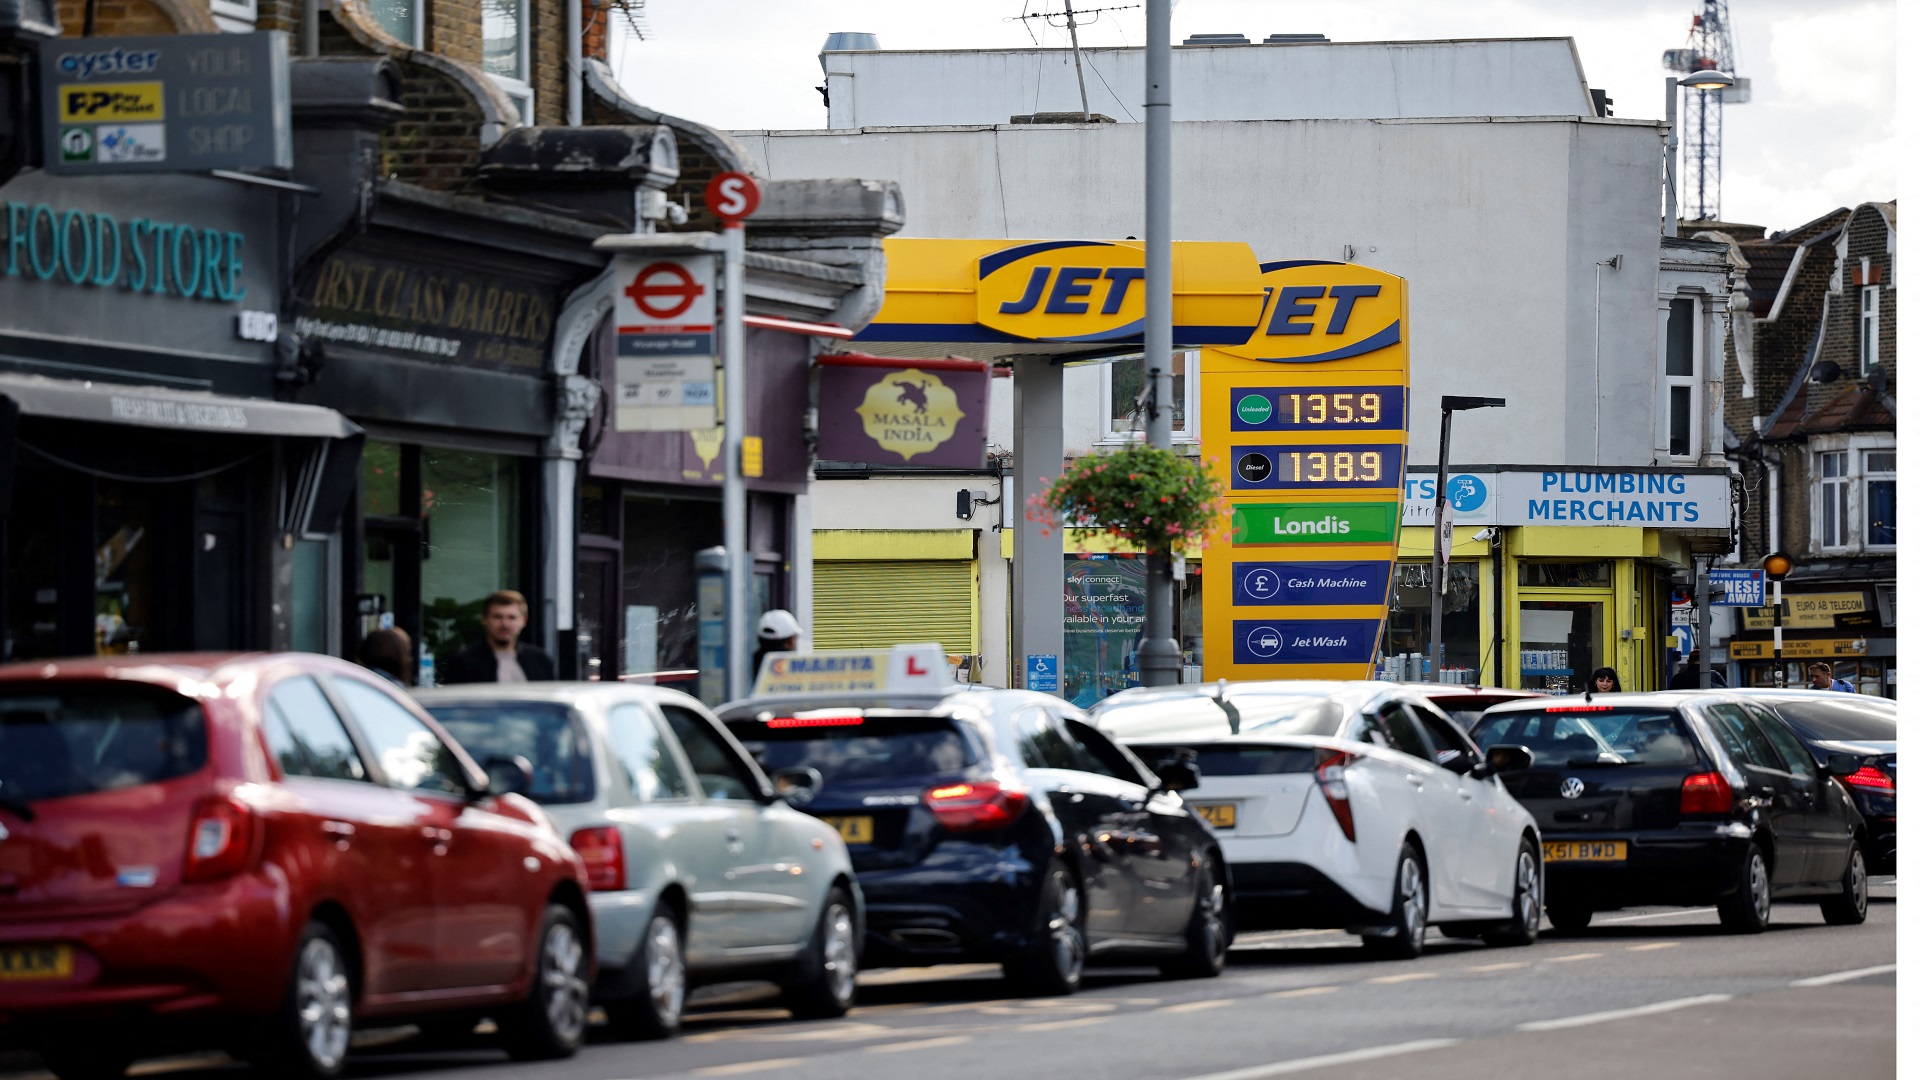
pixel 779 632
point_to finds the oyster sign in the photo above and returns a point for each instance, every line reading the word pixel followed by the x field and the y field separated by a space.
pixel 893 412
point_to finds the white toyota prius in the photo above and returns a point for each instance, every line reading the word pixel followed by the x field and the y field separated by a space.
pixel 1348 805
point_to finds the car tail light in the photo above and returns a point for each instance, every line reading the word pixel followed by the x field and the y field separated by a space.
pixel 972 807
pixel 1332 774
pixel 605 856
pixel 220 841
pixel 817 721
pixel 1869 777
pixel 1706 793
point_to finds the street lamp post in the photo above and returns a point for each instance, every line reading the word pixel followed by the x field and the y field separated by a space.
pixel 1159 653
pixel 1442 516
pixel 1778 565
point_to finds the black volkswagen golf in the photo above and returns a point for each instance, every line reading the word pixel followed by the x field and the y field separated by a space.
pixel 1689 798
pixel 997 826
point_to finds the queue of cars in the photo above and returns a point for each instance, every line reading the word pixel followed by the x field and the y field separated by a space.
pixel 263 852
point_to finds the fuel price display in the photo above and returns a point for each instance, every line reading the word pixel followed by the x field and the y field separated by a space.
pixel 1325 467
pixel 1319 408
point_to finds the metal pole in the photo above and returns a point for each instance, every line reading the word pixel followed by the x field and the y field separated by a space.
pixel 1673 158
pixel 733 492
pixel 1703 619
pixel 1439 515
pixel 1073 35
pixel 1159 653
pixel 1779 627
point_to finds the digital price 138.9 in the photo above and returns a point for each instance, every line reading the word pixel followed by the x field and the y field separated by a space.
pixel 1346 465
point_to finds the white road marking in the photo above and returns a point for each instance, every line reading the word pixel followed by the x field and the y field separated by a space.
pixel 740 1067
pixel 922 1044
pixel 1845 976
pixel 1575 956
pixel 1305 991
pixel 1371 1053
pixel 1658 915
pixel 1411 976
pixel 1196 1006
pixel 1509 966
pixel 1652 945
pixel 1623 1014
pixel 894 976
pixel 1058 1025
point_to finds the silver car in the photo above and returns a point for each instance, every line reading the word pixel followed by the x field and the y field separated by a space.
pixel 700 873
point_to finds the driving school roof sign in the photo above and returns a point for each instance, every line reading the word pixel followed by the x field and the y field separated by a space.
pixel 1060 294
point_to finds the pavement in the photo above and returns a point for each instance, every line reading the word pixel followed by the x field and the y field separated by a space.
pixel 1648 991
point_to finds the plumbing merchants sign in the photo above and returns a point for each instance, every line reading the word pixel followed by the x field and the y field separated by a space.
pixel 171 103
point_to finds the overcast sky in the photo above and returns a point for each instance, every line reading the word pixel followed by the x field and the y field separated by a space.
pixel 1819 132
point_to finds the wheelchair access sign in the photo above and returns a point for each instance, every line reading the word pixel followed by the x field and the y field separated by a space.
pixel 1043 673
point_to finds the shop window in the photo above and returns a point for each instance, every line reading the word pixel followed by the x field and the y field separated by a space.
pixel 1121 383
pixel 1106 603
pixel 1410 626
pixel 380 479
pixel 1561 642
pixel 504 36
pixel 660 623
pixel 1682 379
pixel 235 16
pixel 404 19
pixel 1567 575
pixel 470 530
pixel 1869 329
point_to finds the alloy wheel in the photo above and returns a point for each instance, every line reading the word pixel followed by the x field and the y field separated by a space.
pixel 564 987
pixel 1063 927
pixel 837 952
pixel 324 1004
pixel 1857 873
pixel 1413 903
pixel 1759 888
pixel 666 968
pixel 1527 891
pixel 1213 905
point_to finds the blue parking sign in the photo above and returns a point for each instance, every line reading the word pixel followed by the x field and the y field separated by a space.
pixel 1043 673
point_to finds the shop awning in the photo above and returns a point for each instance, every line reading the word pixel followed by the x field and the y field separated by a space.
pixel 174 410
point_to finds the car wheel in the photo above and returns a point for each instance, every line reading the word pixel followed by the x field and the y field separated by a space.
pixel 86 1062
pixel 1406 936
pixel 654 1013
pixel 1850 907
pixel 315 1024
pixel 1208 930
pixel 1527 894
pixel 1567 918
pixel 1751 905
pixel 1058 956
pixel 552 1021
pixel 822 985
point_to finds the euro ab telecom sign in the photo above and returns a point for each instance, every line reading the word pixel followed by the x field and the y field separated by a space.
pixel 1305 423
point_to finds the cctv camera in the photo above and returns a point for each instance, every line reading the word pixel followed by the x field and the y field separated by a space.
pixel 1485 534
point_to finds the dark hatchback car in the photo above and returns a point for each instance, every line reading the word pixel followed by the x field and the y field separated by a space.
pixel 1830 723
pixel 1689 798
pixel 997 826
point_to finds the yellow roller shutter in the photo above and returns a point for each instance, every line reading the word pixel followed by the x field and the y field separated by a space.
pixel 873 604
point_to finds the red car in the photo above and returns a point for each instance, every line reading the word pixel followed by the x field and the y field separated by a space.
pixel 258 852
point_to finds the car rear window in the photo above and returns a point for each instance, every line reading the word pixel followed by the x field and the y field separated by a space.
pixel 77 740
pixel 1595 734
pixel 546 733
pixel 848 746
pixel 1200 715
pixel 1235 760
pixel 1466 708
pixel 1837 720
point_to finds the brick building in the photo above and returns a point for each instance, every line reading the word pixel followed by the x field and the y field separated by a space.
pixel 1811 376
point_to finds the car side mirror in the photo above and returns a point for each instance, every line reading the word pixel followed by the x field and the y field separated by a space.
pixel 508 775
pixel 1459 764
pixel 1504 758
pixel 1843 764
pixel 1179 772
pixel 797 787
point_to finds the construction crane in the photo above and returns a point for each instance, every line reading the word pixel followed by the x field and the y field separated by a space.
pixel 1708 81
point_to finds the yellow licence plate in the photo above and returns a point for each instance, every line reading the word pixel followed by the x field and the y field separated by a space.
pixel 854 830
pixel 1586 851
pixel 1220 815
pixel 21 962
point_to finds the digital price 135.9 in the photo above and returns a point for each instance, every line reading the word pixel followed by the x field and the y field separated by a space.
pixel 1346 465
pixel 1325 408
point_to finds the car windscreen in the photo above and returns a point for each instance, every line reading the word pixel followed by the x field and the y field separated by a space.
pixel 1200 715
pixel 1234 760
pixel 1466 709
pixel 847 746
pixel 1838 721
pixel 1591 735
pixel 76 740
pixel 546 733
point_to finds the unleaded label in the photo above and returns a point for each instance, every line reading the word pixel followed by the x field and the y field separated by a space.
pixel 1316 523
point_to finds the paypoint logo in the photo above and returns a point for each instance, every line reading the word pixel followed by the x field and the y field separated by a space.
pixel 1321 311
pixel 112 102
pixel 1064 290
pixel 910 412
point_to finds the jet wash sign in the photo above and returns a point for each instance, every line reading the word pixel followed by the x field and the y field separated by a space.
pixel 1306 426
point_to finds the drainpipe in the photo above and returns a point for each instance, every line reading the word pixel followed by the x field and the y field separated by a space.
pixel 574 62
pixel 1770 460
pixel 310 28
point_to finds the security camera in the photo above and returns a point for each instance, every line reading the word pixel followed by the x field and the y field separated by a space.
pixel 1485 535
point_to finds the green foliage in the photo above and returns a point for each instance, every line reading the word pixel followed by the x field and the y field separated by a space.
pixel 1156 500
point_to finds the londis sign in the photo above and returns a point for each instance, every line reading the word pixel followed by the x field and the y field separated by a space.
pixel 1061 292
pixel 1316 313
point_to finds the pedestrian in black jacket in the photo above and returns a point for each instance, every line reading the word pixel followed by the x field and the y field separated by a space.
pixel 499 656
pixel 1688 677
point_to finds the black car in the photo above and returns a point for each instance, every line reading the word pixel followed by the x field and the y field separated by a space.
pixel 1688 798
pixel 1856 724
pixel 997 826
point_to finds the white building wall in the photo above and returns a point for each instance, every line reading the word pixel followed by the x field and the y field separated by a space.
pixel 1343 80
pixel 1497 225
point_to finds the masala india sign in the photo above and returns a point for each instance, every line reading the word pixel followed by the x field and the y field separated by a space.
pixel 894 412
pixel 664 343
pixel 172 103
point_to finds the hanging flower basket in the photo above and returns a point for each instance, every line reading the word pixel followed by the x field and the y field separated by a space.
pixel 1157 500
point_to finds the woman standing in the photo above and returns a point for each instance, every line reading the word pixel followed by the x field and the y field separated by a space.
pixel 1603 681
